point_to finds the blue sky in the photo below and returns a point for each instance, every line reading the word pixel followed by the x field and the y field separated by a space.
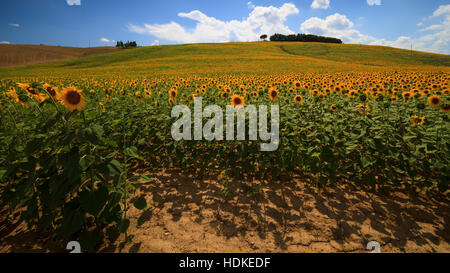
pixel 424 24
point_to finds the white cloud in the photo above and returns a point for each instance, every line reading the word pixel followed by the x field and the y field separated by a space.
pixel 432 27
pixel 442 10
pixel 4 43
pixel 261 20
pixel 155 43
pixel 14 25
pixel 320 4
pixel 73 2
pixel 105 40
pixel 374 2
pixel 337 25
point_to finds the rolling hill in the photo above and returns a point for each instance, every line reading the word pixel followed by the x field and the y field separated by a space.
pixel 255 57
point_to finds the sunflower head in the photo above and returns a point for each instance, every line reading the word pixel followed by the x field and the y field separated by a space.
pixel 173 93
pixel 102 107
pixel 406 95
pixel 333 108
pixel 73 99
pixel 363 109
pixel 445 108
pixel 273 94
pixel 237 101
pixel 50 90
pixel 421 121
pixel 434 100
pixel 298 99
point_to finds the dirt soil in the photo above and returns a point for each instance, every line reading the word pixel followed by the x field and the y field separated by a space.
pixel 12 55
pixel 188 215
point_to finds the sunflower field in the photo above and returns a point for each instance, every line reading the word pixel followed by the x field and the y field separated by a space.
pixel 71 147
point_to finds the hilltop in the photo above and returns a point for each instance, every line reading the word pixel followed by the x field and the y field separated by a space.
pixel 254 57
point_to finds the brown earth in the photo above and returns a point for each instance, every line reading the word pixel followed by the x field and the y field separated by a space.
pixel 209 215
pixel 13 55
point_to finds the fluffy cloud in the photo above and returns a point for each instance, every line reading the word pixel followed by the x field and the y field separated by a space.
pixel 4 43
pixel 335 25
pixel 442 10
pixel 105 40
pixel 436 39
pixel 320 4
pixel 14 25
pixel 73 2
pixel 374 2
pixel 155 43
pixel 261 20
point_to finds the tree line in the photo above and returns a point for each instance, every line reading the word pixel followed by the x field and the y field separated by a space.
pixel 127 44
pixel 303 38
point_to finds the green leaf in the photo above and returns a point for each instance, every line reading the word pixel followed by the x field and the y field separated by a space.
pixel 89 240
pixel 123 225
pixel 2 173
pixel 140 203
pixel 93 201
pixel 72 222
pixel 86 161
pixel 132 152
pixel 33 146
pixel 145 178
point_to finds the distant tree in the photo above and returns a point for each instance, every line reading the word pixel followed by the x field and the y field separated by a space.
pixel 263 37
pixel 303 38
pixel 128 44
pixel 119 44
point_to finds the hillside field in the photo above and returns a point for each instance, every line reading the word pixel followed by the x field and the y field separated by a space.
pixel 14 55
pixel 249 58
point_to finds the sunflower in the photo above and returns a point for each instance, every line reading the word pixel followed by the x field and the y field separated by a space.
pixel 102 107
pixel 255 94
pixel 298 99
pixel 173 93
pixel 363 109
pixel 352 93
pixel 445 108
pixel 273 94
pixel 24 86
pixel 394 98
pixel 297 84
pixel 333 108
pixel 416 120
pixel 421 121
pixel 224 95
pixel 51 91
pixel 406 95
pixel 434 100
pixel 237 101
pixel 72 99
